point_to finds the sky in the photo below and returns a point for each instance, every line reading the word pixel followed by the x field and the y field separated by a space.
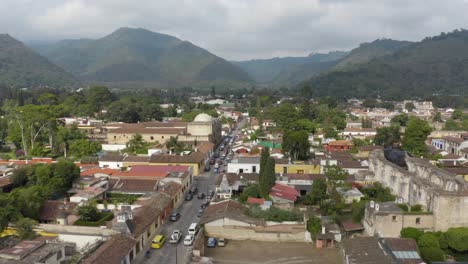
pixel 239 29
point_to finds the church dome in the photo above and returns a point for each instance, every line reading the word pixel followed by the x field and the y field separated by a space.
pixel 203 118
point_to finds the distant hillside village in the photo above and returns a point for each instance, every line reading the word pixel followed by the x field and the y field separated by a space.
pixel 371 183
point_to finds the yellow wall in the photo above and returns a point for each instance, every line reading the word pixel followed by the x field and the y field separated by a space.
pixel 298 168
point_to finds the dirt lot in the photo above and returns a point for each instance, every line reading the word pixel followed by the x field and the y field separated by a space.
pixel 253 252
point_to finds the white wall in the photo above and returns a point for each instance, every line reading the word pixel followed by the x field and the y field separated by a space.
pixel 247 168
pixel 113 147
pixel 81 241
pixel 111 164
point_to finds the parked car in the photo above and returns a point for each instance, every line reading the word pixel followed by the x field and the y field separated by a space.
pixel 194 190
pixel 211 242
pixel 201 195
pixel 211 194
pixel 221 242
pixel 175 237
pixel 188 197
pixel 207 168
pixel 174 216
pixel 200 212
pixel 205 204
pixel 188 240
pixel 158 241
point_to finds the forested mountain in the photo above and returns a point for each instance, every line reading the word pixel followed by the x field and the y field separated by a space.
pixel 436 65
pixel 282 69
pixel 22 67
pixel 369 51
pixel 140 55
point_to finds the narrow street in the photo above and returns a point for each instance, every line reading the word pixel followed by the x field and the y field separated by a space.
pixel 188 211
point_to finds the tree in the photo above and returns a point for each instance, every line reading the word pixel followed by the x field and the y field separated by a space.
pixel 335 173
pixel 387 136
pixel 25 228
pixel 98 97
pixel 251 191
pixel 317 193
pixel 366 122
pixel 457 114
pixel 428 240
pixel 437 117
pixel 369 103
pixel 314 225
pixel 457 238
pixel 304 124
pixel 378 193
pixel 29 200
pixel 265 171
pixel 173 145
pixel 410 106
pixel 83 147
pixel 416 133
pixel 136 144
pixel 285 115
pixel 8 211
pixel 411 232
pixel 400 119
pixel 451 124
pixel 65 136
pixel 296 143
pixel 431 254
pixel 88 212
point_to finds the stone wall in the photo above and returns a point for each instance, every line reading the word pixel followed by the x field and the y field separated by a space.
pixel 438 191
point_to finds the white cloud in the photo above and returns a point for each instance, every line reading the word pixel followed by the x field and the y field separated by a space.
pixel 239 29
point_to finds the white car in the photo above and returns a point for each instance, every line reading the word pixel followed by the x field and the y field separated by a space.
pixel 188 241
pixel 175 237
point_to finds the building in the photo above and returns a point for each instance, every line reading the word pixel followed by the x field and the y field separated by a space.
pixel 338 145
pixel 454 144
pixel 119 249
pixel 387 219
pixel 244 165
pixel 350 195
pixel 230 184
pixel 284 166
pixel 360 250
pixel 283 196
pixel 301 182
pixel 203 128
pixel 39 250
pixel 229 219
pixel 417 181
pixel 360 133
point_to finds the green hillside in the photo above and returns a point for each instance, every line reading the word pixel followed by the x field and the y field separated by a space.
pixel 22 67
pixel 437 65
pixel 139 55
pixel 279 69
pixel 369 51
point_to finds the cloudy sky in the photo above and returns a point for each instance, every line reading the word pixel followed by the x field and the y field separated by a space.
pixel 239 29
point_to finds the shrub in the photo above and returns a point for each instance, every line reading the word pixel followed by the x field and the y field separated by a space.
pixel 274 214
pixel 104 217
pixel 411 232
pixel 314 225
pixel 416 208
pixel 430 254
pixel 428 240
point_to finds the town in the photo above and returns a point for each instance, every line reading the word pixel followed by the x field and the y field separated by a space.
pixel 233 178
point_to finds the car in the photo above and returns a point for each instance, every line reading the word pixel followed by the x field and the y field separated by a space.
pixel 188 240
pixel 205 204
pixel 188 197
pixel 194 190
pixel 212 161
pixel 211 242
pixel 211 194
pixel 158 241
pixel 200 212
pixel 175 237
pixel 201 195
pixel 221 242
pixel 174 216
pixel 207 168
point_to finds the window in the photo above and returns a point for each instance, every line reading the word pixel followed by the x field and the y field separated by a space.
pixel 300 171
pixel 254 169
pixel 115 137
pixel 162 136
pixel 394 218
pixel 418 220
pixel 152 138
pixel 285 170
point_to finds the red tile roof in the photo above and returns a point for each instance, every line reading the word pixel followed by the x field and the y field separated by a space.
pixel 252 200
pixel 340 143
pixel 50 209
pixel 285 192
pixel 456 140
pixel 133 185
pixel 112 251
pixel 151 171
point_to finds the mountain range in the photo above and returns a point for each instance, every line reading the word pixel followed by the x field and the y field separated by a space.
pixel 138 55
pixel 434 66
pixel 22 67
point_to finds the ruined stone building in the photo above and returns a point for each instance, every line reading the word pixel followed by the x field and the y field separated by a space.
pixel 417 181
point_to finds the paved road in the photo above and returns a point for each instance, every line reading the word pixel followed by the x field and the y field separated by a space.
pixel 188 210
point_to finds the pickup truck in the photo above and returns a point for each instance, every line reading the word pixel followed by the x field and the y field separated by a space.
pixel 175 237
